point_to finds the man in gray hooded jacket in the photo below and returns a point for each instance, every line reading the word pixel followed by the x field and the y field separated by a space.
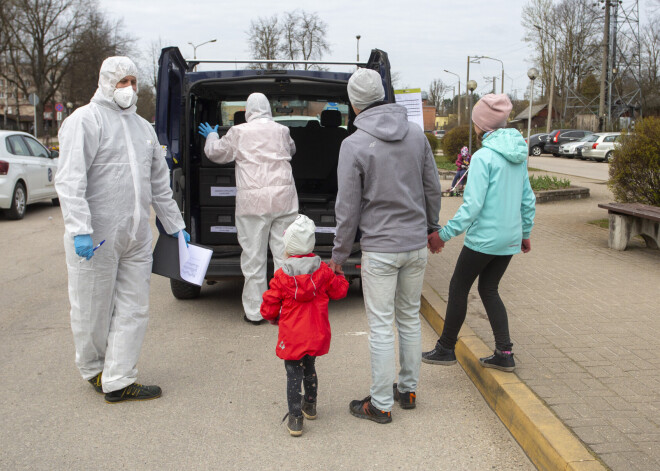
pixel 389 188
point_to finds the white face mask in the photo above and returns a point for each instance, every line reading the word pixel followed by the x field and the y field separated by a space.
pixel 125 97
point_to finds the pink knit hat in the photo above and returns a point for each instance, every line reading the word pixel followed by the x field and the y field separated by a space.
pixel 491 112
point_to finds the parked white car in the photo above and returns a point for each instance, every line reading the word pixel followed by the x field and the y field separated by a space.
pixel 602 148
pixel 569 149
pixel 27 173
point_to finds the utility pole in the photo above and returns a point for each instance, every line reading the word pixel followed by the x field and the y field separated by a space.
pixel 459 94
pixel 604 67
pixel 548 121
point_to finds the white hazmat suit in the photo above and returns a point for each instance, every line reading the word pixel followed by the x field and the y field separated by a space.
pixel 266 198
pixel 111 169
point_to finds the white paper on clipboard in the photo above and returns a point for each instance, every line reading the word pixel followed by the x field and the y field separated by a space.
pixel 193 261
pixel 411 99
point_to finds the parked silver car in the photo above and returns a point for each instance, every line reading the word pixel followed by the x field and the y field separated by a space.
pixel 569 149
pixel 27 173
pixel 602 148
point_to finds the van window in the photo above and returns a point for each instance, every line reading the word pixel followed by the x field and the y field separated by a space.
pixel 289 111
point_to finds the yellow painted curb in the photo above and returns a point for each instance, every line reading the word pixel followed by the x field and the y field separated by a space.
pixel 548 443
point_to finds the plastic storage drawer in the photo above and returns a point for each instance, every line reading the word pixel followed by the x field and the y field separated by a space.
pixel 217 187
pixel 218 226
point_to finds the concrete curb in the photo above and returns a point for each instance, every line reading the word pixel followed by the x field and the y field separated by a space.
pixel 548 443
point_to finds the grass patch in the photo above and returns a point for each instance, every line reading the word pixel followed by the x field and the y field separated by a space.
pixel 444 164
pixel 532 169
pixel 604 223
pixel 545 182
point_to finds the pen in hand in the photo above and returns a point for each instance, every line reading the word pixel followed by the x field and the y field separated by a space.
pixel 93 250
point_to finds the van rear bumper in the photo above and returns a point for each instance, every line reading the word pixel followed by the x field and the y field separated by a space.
pixel 223 267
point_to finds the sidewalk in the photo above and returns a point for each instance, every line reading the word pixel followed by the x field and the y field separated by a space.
pixel 585 322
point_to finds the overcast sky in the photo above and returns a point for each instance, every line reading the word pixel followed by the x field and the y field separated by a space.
pixel 422 38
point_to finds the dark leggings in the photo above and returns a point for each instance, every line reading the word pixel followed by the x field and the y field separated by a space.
pixel 489 269
pixel 300 372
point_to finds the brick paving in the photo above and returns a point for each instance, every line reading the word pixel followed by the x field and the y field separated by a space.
pixel 585 323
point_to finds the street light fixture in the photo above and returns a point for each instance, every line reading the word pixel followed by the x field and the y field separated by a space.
pixel 532 74
pixel 459 95
pixel 471 86
pixel 198 45
pixel 358 46
pixel 493 59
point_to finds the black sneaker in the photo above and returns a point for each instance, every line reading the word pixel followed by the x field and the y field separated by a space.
pixel 405 399
pixel 502 361
pixel 364 409
pixel 440 356
pixel 259 322
pixel 295 425
pixel 309 410
pixel 96 383
pixel 134 392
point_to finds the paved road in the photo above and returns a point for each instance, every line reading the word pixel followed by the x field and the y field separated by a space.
pixel 578 168
pixel 224 389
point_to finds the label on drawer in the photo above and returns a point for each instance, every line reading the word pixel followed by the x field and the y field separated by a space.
pixel 223 191
pixel 326 230
pixel 223 229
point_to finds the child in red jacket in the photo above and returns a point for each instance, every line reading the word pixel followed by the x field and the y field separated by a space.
pixel 298 301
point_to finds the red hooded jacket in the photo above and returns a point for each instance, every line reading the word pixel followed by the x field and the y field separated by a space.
pixel 301 302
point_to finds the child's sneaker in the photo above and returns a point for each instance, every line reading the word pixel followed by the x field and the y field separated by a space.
pixel 502 361
pixel 364 409
pixel 405 399
pixel 96 383
pixel 309 410
pixel 440 356
pixel 295 425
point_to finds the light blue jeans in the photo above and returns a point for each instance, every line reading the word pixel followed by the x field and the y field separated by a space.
pixel 392 289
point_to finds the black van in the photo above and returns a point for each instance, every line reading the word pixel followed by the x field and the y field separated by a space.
pixel 314 103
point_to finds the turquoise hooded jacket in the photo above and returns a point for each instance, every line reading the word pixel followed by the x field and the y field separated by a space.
pixel 498 204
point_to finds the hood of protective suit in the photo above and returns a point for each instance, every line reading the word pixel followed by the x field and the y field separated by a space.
pixel 257 106
pixel 509 143
pixel 386 122
pixel 112 71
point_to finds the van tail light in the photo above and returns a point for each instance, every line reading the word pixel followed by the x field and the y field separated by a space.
pixel 595 144
pixel 554 139
pixel 4 167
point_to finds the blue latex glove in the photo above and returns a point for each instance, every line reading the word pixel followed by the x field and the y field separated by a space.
pixel 205 129
pixel 185 236
pixel 84 245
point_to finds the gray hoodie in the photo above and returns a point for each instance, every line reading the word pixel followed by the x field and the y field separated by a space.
pixel 388 185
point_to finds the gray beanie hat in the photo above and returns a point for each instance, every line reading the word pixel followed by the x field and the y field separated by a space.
pixel 365 87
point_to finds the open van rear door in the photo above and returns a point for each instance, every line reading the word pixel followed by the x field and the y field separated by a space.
pixel 172 68
pixel 379 62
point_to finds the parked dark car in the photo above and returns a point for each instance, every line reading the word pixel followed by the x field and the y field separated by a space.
pixel 562 136
pixel 206 192
pixel 536 144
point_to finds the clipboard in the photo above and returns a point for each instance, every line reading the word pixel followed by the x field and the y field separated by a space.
pixel 166 257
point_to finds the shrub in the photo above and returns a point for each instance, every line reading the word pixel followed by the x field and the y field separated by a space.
pixel 457 138
pixel 545 182
pixel 635 166
pixel 433 141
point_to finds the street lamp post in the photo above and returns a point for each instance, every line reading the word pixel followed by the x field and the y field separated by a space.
pixel 358 46
pixel 471 86
pixel 532 74
pixel 548 125
pixel 459 95
pixel 198 45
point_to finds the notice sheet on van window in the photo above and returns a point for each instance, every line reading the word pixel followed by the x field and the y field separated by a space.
pixel 411 99
pixel 193 261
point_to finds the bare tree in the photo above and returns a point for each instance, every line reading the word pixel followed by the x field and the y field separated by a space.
pixel 437 90
pixel 311 37
pixel 290 31
pixel 264 38
pixel 650 57
pixel 40 44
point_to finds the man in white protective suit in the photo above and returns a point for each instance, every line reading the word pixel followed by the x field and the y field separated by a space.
pixel 111 169
pixel 266 198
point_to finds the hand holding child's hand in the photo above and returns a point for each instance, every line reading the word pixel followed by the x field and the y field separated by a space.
pixel 435 243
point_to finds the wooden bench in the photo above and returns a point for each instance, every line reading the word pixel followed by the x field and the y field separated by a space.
pixel 630 219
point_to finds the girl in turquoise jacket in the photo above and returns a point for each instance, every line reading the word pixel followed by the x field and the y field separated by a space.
pixel 497 215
